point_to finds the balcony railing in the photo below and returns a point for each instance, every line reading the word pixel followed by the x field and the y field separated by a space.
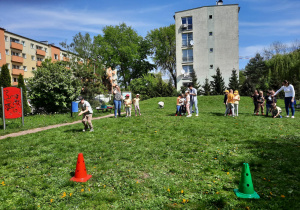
pixel 16 59
pixel 39 63
pixel 17 71
pixel 40 52
pixel 187 59
pixel 16 46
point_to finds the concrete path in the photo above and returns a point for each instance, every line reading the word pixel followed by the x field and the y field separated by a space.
pixel 35 130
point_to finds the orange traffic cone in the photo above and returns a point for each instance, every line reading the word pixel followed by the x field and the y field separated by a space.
pixel 80 173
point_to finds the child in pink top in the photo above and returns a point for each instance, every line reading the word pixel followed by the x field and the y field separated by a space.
pixel 187 103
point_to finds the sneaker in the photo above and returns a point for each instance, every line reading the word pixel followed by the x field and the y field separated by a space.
pixel 197 115
pixel 92 130
pixel 83 130
pixel 287 116
pixel 189 115
pixel 293 117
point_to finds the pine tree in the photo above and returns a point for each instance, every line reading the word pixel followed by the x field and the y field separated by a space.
pixel 247 88
pixel 206 88
pixel 5 78
pixel 195 82
pixel 21 84
pixel 233 81
pixel 218 85
pixel 256 69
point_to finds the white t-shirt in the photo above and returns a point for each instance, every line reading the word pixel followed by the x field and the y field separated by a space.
pixel 288 90
pixel 84 105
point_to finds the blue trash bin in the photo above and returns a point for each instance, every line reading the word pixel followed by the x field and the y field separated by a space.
pixel 74 106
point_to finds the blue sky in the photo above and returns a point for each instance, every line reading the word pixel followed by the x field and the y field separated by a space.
pixel 261 22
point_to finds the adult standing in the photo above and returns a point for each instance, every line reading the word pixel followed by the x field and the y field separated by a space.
pixel 87 114
pixel 117 100
pixel 194 101
pixel 289 98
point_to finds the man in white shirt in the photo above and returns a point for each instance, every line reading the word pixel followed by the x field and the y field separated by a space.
pixel 86 112
pixel 194 101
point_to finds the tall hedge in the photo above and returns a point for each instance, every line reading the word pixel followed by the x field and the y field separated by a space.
pixel 21 84
pixel 5 81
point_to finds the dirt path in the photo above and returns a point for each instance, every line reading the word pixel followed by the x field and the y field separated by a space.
pixel 35 130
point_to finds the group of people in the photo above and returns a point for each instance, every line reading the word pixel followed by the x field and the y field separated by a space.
pixel 231 101
pixel 127 102
pixel 186 101
pixel 270 100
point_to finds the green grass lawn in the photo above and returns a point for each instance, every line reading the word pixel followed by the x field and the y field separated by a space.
pixel 157 161
pixel 41 120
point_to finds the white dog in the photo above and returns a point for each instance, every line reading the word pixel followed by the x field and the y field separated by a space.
pixel 161 104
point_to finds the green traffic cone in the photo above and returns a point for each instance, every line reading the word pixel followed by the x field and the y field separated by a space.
pixel 246 189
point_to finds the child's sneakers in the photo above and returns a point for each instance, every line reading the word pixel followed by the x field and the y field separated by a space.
pixel 293 117
pixel 189 115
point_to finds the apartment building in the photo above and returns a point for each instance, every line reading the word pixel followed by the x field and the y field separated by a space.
pixel 207 38
pixel 23 55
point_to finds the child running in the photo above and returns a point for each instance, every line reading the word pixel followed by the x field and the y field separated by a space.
pixel 187 103
pixel 136 103
pixel 128 103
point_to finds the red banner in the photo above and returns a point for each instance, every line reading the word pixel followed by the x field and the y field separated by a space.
pixel 12 102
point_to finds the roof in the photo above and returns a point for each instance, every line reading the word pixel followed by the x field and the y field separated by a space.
pixel 208 6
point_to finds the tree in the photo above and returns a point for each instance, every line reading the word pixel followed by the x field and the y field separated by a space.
pixel 171 91
pixel 163 45
pixel 195 82
pixel 242 77
pixel 218 85
pixel 206 87
pixel 21 84
pixel 122 48
pixel 233 81
pixel 53 87
pixel 256 69
pixel 5 78
pixel 247 88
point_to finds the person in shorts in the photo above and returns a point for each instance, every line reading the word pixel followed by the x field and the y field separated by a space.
pixel 87 114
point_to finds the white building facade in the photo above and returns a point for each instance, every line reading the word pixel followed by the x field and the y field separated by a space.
pixel 207 38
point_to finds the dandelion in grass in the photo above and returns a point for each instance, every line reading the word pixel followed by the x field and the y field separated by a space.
pixel 104 186
pixel 183 200
pixel 3 183
pixel 168 190
pixel 64 195
pixel 181 191
pixel 137 182
pixel 271 193
pixel 71 194
pixel 282 196
pixel 51 200
pixel 89 190
pixel 217 193
pixel 82 190
pixel 227 173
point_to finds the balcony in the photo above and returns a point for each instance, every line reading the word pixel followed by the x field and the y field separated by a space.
pixel 187 59
pixel 41 52
pixel 17 72
pixel 15 83
pixel 16 46
pixel 39 63
pixel 186 76
pixel 16 59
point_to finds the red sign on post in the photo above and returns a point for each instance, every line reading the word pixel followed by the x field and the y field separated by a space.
pixel 12 102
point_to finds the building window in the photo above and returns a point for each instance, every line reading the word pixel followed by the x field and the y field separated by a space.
pixel 15 79
pixel 210 33
pixel 187 55
pixel 25 68
pixel 6 38
pixel 15 53
pixel 187 40
pixel 15 67
pixel 211 50
pixel 32 57
pixel 23 43
pixel 211 66
pixel 7 52
pixel 188 69
pixel 210 16
pixel 55 56
pixel 23 55
pixel 39 59
pixel 33 68
pixel 8 65
pixel 187 23
pixel 46 49
pixel 32 46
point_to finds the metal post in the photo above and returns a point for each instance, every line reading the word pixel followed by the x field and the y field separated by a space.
pixel 71 109
pixel 3 108
pixel 22 107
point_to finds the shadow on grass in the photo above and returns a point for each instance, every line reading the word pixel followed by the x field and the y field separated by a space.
pixel 74 130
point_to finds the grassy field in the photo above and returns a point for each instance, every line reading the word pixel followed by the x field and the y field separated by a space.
pixel 157 161
pixel 41 120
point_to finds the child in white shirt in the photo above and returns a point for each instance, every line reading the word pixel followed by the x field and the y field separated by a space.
pixel 136 103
